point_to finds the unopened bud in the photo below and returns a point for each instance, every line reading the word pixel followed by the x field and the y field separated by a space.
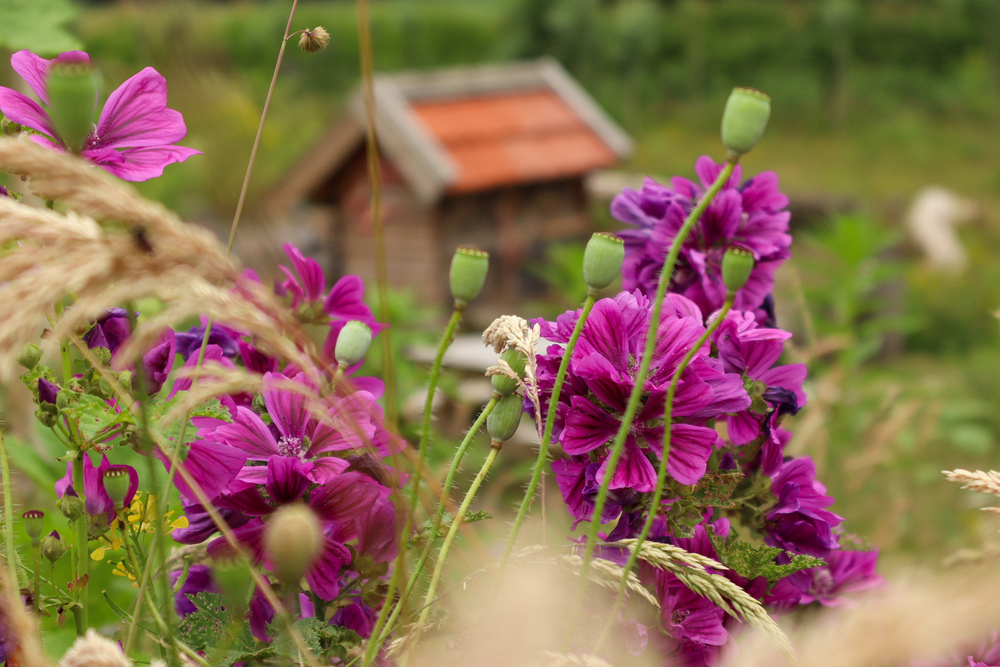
pixel 71 507
pixel 72 97
pixel 10 128
pixel 744 119
pixel 468 273
pixel 503 384
pixel 505 418
pixel 52 547
pixel 34 523
pixel 30 354
pixel 117 484
pixel 353 343
pixel 45 418
pixel 737 264
pixel 293 539
pixel 602 260
pixel 314 40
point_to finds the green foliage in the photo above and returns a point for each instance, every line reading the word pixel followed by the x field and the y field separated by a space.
pixel 716 489
pixel 752 561
pixel 37 25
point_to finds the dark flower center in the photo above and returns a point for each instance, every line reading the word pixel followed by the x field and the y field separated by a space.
pixel 289 446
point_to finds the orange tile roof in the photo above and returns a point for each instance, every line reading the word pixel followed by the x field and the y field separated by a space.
pixel 514 137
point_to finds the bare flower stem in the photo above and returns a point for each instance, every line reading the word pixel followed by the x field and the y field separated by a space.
pixel 647 356
pixel 438 517
pixel 550 420
pixel 661 472
pixel 8 514
pixel 83 550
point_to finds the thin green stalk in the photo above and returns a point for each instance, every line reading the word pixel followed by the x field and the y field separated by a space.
pixel 83 551
pixel 647 355
pixel 8 514
pixel 550 420
pixel 661 472
pixel 425 426
pixel 37 592
pixel 438 517
pixel 450 537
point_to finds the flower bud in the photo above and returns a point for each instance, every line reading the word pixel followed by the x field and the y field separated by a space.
pixel 314 40
pixel 293 540
pixel 29 356
pixel 737 264
pixel 505 418
pixel 353 343
pixel 116 482
pixel 468 273
pixel 9 128
pixel 744 119
pixel 501 383
pixel 45 418
pixel 34 524
pixel 53 547
pixel 72 98
pixel 71 507
pixel 602 260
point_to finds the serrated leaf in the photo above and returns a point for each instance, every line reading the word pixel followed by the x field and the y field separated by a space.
pixel 37 25
pixel 716 489
pixel 94 415
pixel 323 639
pixel 481 515
pixel 753 561
pixel 205 628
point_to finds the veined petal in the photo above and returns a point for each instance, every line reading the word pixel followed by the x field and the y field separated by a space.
pixel 587 427
pixel 690 449
pixel 286 406
pixel 347 496
pixel 35 69
pixel 25 111
pixel 324 576
pixel 137 164
pixel 310 273
pixel 249 434
pixel 345 301
pixel 136 115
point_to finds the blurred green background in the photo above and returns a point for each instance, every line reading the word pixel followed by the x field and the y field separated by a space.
pixel 873 101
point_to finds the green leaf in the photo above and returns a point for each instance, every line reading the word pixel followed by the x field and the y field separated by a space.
pixel 37 25
pixel 716 489
pixel 752 561
pixel 93 415
pixel 481 515
pixel 324 640
pixel 205 628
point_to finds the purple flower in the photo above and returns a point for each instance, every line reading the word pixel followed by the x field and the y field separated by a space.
pixel 597 388
pixel 110 330
pixel 134 136
pixel 844 572
pixel 97 500
pixel 799 522
pixel 9 642
pixel 47 391
pixel 749 214
pixel 199 580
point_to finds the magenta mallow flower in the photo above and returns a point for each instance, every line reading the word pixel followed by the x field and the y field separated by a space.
pixel 799 521
pixel 750 214
pixel 135 134
pixel 600 379
pixel 306 288
pixel 97 500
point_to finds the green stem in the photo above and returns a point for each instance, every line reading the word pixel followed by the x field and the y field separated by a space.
pixel 425 426
pixel 8 514
pixel 450 537
pixel 37 592
pixel 439 516
pixel 647 356
pixel 83 551
pixel 661 472
pixel 550 420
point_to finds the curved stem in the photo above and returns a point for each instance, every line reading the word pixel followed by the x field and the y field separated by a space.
pixel 647 355
pixel 661 472
pixel 439 516
pixel 550 420
pixel 450 537
pixel 82 550
pixel 425 425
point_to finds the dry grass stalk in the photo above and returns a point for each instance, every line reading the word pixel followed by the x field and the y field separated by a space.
pixel 552 659
pixel 511 331
pixel 607 575
pixel 923 619
pixel 981 481
pixel 692 570
pixel 93 650
pixel 21 625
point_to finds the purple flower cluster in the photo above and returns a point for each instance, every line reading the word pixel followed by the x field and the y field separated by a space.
pixel 727 414
pixel 750 214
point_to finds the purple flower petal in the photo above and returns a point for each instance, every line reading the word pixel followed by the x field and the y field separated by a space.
pixel 286 479
pixel 249 434
pixel 137 164
pixel 25 111
pixel 286 406
pixel 136 115
pixel 324 576
pixel 345 497
pixel 690 449
pixel 310 273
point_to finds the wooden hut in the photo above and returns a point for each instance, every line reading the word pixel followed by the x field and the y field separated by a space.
pixel 493 156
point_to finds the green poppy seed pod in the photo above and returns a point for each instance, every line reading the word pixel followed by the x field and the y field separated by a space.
pixel 72 97
pixel 506 385
pixel 744 119
pixel 314 40
pixel 116 483
pixel 29 356
pixel 34 523
pixel 52 547
pixel 293 539
pixel 505 418
pixel 602 260
pixel 468 273
pixel 71 507
pixel 737 264
pixel 353 343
